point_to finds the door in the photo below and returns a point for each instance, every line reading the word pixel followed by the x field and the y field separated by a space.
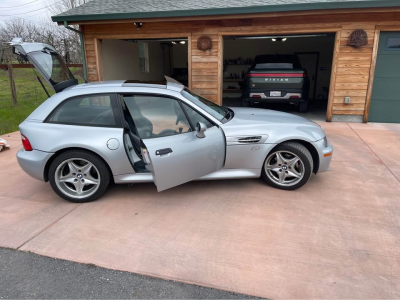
pixel 47 62
pixel 309 61
pixel 385 100
pixel 169 143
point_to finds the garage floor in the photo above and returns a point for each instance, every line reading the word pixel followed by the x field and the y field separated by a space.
pixel 337 237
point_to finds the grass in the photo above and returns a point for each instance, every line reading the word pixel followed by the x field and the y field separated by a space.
pixel 30 95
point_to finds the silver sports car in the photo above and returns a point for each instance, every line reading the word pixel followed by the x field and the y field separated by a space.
pixel 88 135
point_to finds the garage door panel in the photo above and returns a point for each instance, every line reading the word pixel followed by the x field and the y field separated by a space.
pixel 384 111
pixel 386 89
pixel 387 66
pixel 385 98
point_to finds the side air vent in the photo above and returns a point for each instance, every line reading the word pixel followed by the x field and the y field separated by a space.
pixel 242 140
pixel 249 140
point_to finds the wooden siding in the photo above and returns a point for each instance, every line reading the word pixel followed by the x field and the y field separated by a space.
pixel 351 71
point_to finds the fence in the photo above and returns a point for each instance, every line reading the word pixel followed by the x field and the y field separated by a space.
pixel 18 83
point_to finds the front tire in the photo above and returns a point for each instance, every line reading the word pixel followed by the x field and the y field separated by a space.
pixel 288 167
pixel 79 176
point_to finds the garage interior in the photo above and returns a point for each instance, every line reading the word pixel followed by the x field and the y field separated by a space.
pixel 315 52
pixel 145 60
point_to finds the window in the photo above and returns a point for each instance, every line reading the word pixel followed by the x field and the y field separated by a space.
pixel 195 117
pixel 95 110
pixel 144 57
pixel 219 112
pixel 53 66
pixel 156 116
pixel 393 43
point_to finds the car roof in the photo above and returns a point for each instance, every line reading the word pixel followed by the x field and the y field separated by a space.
pixel 169 84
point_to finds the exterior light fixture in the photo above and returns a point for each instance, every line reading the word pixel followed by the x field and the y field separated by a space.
pixel 278 39
pixel 173 42
pixel 182 42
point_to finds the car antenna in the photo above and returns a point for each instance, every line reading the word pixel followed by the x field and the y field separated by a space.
pixel 40 81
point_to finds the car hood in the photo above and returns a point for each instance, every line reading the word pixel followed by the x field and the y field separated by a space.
pixel 277 125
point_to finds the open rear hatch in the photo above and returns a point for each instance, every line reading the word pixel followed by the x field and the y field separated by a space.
pixel 47 62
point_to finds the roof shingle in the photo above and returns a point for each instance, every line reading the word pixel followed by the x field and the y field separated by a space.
pixel 122 9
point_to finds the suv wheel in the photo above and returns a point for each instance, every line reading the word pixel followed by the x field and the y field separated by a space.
pixel 288 167
pixel 79 176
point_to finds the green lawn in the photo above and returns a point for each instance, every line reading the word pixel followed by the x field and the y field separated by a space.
pixel 29 94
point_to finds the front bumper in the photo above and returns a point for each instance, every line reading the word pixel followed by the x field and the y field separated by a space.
pixel 325 153
pixel 33 162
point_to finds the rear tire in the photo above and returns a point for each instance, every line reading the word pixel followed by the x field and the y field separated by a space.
pixel 79 176
pixel 288 166
pixel 303 106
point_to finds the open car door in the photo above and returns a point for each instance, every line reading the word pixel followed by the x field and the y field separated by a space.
pixel 47 62
pixel 181 158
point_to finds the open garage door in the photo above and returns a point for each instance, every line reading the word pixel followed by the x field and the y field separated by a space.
pixel 287 72
pixel 145 60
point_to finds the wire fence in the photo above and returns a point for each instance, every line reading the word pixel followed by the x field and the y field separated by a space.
pixel 28 91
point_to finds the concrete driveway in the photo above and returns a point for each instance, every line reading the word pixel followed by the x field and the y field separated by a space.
pixel 337 237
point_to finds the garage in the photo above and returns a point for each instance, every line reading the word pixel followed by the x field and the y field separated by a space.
pixel 314 53
pixel 385 101
pixel 336 43
pixel 145 59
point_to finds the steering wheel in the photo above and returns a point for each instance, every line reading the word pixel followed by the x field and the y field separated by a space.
pixel 167 132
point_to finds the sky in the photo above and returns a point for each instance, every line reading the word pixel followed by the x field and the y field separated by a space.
pixel 35 11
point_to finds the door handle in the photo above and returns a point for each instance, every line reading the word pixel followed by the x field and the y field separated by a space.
pixel 163 151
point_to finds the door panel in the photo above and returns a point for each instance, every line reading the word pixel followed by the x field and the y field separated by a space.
pixel 190 157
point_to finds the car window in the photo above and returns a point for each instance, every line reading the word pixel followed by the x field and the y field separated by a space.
pixel 95 110
pixel 195 117
pixel 218 112
pixel 156 116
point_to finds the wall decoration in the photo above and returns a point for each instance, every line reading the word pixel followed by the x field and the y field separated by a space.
pixel 204 43
pixel 358 38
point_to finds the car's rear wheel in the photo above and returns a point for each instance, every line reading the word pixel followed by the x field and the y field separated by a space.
pixel 288 167
pixel 79 176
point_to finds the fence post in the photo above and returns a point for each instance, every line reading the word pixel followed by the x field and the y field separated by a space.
pixel 12 84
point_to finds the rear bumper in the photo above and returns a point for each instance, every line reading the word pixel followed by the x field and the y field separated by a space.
pixel 33 162
pixel 325 153
pixel 274 99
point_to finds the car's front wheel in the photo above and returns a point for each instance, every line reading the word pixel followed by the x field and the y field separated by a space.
pixel 79 176
pixel 288 167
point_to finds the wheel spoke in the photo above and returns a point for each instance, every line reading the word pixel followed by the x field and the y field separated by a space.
pixel 282 177
pixel 91 180
pixel 67 178
pixel 73 168
pixel 279 158
pixel 79 187
pixel 292 162
pixel 293 173
pixel 86 169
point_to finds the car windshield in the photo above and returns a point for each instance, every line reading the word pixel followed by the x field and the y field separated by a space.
pixel 221 113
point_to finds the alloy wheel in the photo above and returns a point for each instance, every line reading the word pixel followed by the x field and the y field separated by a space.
pixel 77 178
pixel 284 168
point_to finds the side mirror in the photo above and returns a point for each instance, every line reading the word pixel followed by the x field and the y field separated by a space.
pixel 201 128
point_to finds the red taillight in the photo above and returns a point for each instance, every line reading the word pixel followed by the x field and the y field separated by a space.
pixel 291 97
pixel 26 143
pixel 276 75
pixel 256 96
